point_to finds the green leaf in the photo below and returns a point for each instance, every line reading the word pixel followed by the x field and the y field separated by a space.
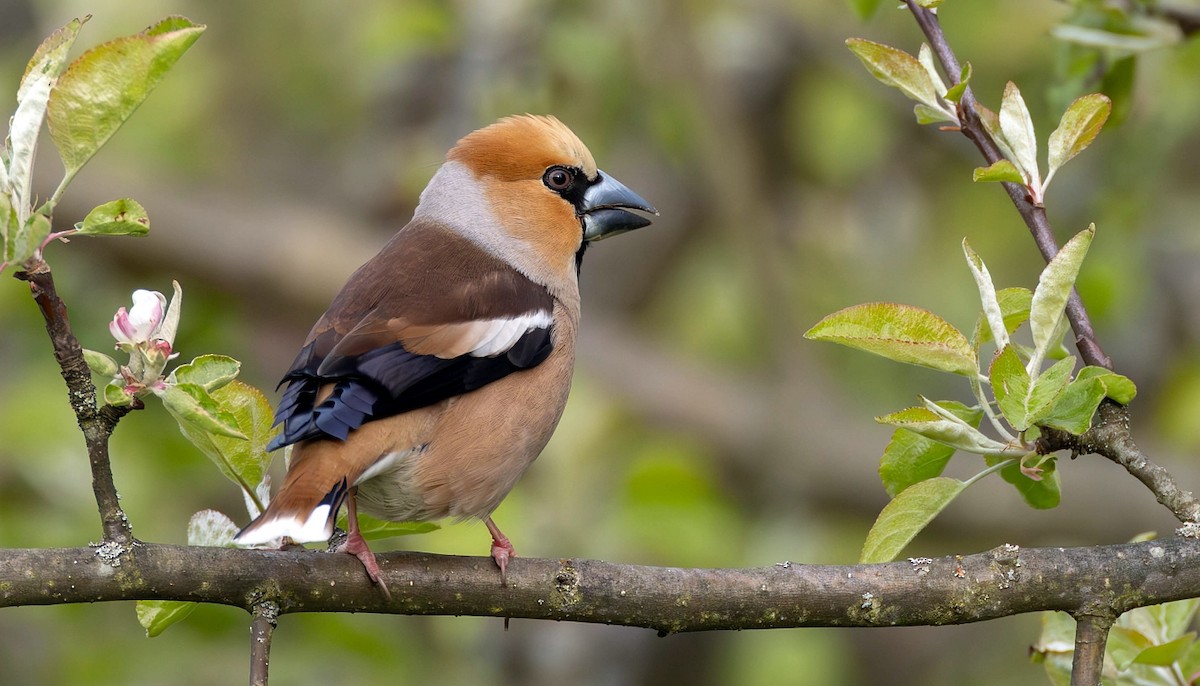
pixel 1010 384
pixel 911 457
pixel 1000 171
pixel 33 96
pixel 241 461
pixel 943 427
pixel 1053 289
pixel 374 529
pixel 955 92
pixel 931 115
pixel 908 513
pixel 929 4
pixel 190 404
pixel 925 57
pixel 1079 126
pixel 1044 494
pixel 24 242
pixel 899 332
pixel 1014 309
pixel 210 372
pixel 103 87
pixel 124 217
pixel 865 9
pixel 157 615
pixel 987 295
pixel 1024 400
pixel 101 364
pixel 896 68
pixel 1017 126
pixel 115 395
pixel 1073 410
pixel 1165 654
pixel 1119 42
pixel 1119 388
pixel 1056 646
pixel 211 528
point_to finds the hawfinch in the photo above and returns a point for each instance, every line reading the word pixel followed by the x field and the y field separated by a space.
pixel 442 367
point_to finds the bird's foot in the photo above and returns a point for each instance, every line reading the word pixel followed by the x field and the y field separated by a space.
pixel 502 550
pixel 356 545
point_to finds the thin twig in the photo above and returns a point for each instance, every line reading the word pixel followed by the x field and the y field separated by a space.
pixel 1109 437
pixel 1091 634
pixel 97 424
pixel 262 627
pixel 1033 215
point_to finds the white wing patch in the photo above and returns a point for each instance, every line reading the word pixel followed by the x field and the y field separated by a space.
pixel 501 334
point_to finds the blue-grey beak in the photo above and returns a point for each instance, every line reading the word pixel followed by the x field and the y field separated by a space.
pixel 605 205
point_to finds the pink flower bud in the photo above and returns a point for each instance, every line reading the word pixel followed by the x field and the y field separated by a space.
pixel 139 324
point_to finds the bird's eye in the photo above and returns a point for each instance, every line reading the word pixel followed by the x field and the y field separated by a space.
pixel 558 178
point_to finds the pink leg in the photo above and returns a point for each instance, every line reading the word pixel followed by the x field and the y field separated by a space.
pixel 356 545
pixel 502 549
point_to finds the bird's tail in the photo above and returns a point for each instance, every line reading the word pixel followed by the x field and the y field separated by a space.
pixel 299 511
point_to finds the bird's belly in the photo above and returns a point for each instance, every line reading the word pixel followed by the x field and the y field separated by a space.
pixel 481 445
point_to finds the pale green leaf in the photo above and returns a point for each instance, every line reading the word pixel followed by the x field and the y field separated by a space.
pixel 931 115
pixel 896 68
pixel 124 217
pixel 1017 126
pixel 1079 126
pixel 925 57
pixel 1119 388
pixel 192 405
pixel 243 462
pixel 865 9
pixel 911 457
pixel 103 87
pixel 374 529
pixel 1166 654
pixel 25 241
pixel 908 513
pixel 1014 309
pixel 990 303
pixel 210 372
pixel 1054 288
pixel 1023 400
pixel 899 332
pixel 170 322
pixel 1108 40
pixel 1055 646
pixel 929 4
pixel 1043 494
pixel 33 96
pixel 100 364
pixel 1125 644
pixel 211 528
pixel 156 616
pixel 115 395
pixel 955 92
pixel 1073 410
pixel 1010 385
pixel 943 428
pixel 1000 171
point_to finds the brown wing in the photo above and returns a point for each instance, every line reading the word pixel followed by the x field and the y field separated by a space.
pixel 430 317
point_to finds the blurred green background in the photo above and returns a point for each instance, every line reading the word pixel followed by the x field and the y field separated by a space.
pixel 293 139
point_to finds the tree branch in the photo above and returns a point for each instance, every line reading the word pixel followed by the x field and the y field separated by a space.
pixel 1034 215
pixel 921 591
pixel 1109 437
pixel 97 424
pixel 1091 634
pixel 262 627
